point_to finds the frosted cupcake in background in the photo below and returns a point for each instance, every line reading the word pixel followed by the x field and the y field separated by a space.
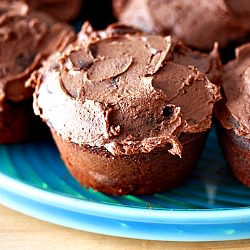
pixel 233 114
pixel 27 37
pixel 63 10
pixel 199 23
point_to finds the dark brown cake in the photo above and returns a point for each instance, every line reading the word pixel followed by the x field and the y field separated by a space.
pixel 26 38
pixel 199 23
pixel 63 10
pixel 129 111
pixel 233 114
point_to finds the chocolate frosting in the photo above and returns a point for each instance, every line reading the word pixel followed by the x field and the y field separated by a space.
pixel 63 10
pixel 12 6
pixel 125 92
pixel 26 38
pixel 234 112
pixel 199 23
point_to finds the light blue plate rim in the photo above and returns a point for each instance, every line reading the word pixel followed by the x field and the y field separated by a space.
pixel 165 225
pixel 122 216
pixel 190 216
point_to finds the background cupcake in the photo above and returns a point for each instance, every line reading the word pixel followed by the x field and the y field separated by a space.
pixel 198 23
pixel 26 39
pixel 62 10
pixel 234 116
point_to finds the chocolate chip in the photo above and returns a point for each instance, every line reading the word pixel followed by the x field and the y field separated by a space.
pixel 168 112
pixel 12 36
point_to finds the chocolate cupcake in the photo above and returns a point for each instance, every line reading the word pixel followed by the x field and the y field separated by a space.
pixel 233 114
pixel 62 10
pixel 26 38
pixel 198 23
pixel 128 111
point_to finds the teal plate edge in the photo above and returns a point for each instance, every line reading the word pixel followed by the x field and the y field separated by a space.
pixel 170 225
pixel 225 217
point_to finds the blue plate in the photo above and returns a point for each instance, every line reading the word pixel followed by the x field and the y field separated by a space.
pixel 210 206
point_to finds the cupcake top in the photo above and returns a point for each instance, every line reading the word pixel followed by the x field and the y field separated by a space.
pixel 125 91
pixel 234 113
pixel 12 6
pixel 198 22
pixel 26 38
pixel 63 10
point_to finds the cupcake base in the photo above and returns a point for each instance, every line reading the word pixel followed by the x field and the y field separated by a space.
pixel 143 173
pixel 236 150
pixel 18 123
